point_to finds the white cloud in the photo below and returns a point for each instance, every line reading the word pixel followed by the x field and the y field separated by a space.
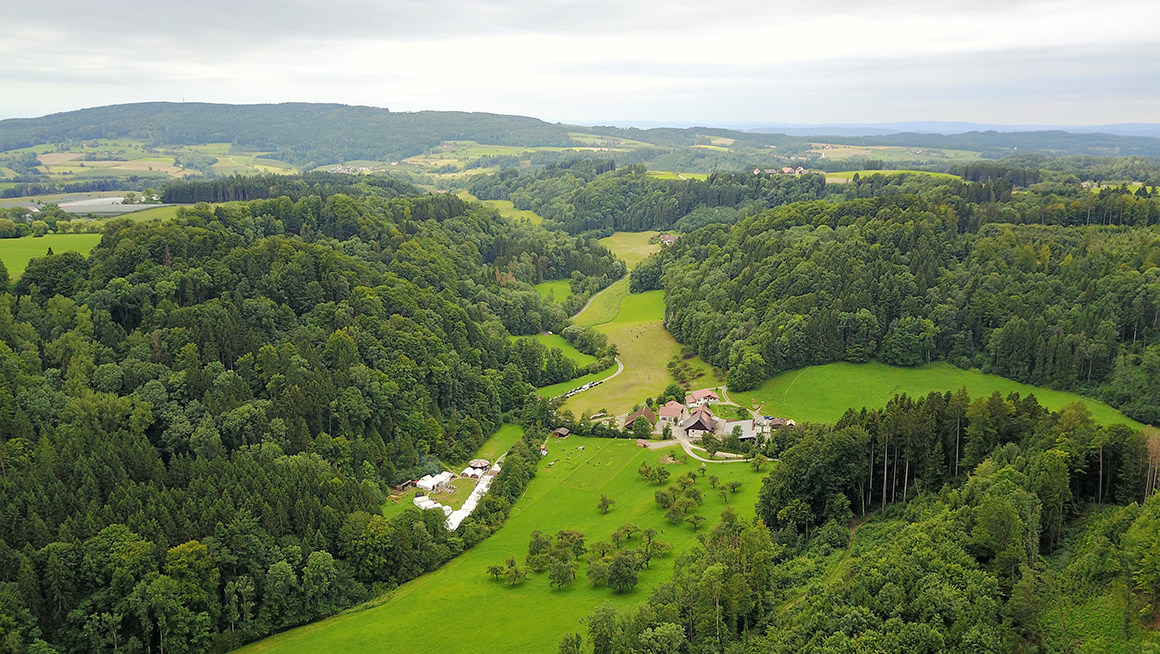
pixel 1064 62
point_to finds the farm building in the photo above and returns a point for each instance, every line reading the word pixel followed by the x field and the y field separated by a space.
pixel 701 397
pixel 667 239
pixel 562 432
pixel 643 412
pixel 672 411
pixel 700 423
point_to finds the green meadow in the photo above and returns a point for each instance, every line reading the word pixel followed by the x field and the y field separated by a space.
pixel 604 306
pixel 559 289
pixel 459 608
pixel 633 247
pixel 636 328
pixel 16 252
pixel 823 393
pixel 669 174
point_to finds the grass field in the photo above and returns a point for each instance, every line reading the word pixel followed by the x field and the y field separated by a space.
pixel 501 441
pixel 645 347
pixel 560 289
pixel 16 252
pixel 604 305
pixel 893 154
pixel 556 340
pixel 459 608
pixel 633 247
pixel 505 209
pixel 669 174
pixel 823 393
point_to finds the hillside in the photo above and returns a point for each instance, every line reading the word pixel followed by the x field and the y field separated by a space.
pixel 298 133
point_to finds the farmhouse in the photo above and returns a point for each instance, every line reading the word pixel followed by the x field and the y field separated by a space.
pixel 701 397
pixel 643 412
pixel 667 239
pixel 672 411
pixel 699 423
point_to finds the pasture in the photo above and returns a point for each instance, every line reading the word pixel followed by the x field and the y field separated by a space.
pixel 823 393
pixel 604 306
pixel 460 608
pixel 633 247
pixel 645 347
pixel 559 289
pixel 17 252
pixel 890 153
pixel 669 174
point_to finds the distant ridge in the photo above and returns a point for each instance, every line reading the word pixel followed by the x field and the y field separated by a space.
pixel 949 128
pixel 298 133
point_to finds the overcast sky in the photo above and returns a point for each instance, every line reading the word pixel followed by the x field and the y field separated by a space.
pixel 708 62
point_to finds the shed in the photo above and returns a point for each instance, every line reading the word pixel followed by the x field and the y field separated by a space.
pixel 561 432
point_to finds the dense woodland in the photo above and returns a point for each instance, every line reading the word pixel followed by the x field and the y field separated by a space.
pixel 198 422
pixel 593 197
pixel 299 133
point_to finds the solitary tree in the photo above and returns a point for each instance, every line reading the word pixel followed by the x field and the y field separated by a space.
pixel 605 504
pixel 695 520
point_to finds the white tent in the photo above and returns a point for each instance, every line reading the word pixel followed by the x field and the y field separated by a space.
pixel 426 482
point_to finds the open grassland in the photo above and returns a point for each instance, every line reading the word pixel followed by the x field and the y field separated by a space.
pixel 823 393
pixel 633 247
pixel 559 289
pixel 500 442
pixel 155 213
pixel 603 306
pixel 645 349
pixel 16 252
pixel 459 608
pixel 892 153
pixel 505 209
pixel 668 174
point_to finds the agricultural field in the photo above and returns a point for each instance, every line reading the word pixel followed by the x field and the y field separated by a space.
pixel 891 154
pixel 668 174
pixel 501 441
pixel 604 306
pixel 559 289
pixel 505 209
pixel 126 157
pixel 823 393
pixel 633 247
pixel 533 616
pixel 17 252
pixel 645 347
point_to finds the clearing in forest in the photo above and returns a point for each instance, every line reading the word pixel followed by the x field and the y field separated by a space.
pixel 17 252
pixel 459 608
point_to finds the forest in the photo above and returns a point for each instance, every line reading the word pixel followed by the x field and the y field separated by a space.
pixel 913 271
pixel 585 196
pixel 298 133
pixel 199 421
